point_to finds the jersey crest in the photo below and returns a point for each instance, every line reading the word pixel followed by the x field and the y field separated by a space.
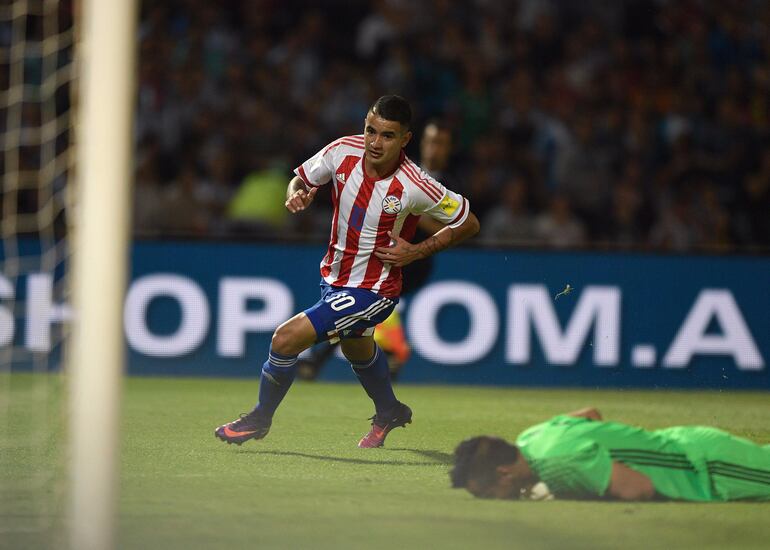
pixel 391 204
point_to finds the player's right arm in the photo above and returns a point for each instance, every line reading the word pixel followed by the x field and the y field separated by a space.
pixel 316 171
pixel 297 195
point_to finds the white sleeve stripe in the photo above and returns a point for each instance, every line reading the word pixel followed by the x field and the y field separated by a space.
pixel 424 185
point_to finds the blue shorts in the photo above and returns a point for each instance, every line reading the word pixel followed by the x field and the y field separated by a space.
pixel 348 312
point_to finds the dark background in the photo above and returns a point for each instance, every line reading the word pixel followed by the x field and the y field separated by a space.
pixel 622 124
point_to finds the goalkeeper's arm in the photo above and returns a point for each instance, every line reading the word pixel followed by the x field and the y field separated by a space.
pixel 628 484
pixel 587 412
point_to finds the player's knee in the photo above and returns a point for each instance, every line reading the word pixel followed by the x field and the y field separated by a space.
pixel 358 350
pixel 283 342
pixel 291 339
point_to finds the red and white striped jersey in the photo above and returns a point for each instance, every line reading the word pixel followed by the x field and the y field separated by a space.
pixel 365 209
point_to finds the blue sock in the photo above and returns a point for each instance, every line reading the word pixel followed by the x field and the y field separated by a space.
pixel 277 375
pixel 375 378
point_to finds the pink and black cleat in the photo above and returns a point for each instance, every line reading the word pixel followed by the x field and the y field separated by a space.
pixel 253 425
pixel 399 416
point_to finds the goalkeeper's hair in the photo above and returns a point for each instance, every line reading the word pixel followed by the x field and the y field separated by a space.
pixel 477 459
pixel 395 108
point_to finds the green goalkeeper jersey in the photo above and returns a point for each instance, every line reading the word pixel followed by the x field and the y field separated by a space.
pixel 574 457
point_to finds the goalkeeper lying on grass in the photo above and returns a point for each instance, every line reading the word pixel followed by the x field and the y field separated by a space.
pixel 580 456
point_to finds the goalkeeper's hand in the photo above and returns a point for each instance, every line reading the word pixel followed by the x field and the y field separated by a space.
pixel 539 491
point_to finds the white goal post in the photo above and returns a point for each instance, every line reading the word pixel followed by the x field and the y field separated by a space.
pixel 104 123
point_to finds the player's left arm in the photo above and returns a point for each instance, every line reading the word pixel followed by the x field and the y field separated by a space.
pixel 430 226
pixel 628 484
pixel 451 223
pixel 403 252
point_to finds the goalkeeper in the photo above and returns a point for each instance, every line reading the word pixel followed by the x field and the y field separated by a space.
pixel 580 456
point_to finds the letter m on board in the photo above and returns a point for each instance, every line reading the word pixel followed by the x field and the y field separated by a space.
pixel 531 313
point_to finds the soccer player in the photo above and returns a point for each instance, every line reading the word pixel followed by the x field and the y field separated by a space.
pixel 435 153
pixel 378 195
pixel 578 455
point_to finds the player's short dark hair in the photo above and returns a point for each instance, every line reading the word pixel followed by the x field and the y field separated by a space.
pixel 395 108
pixel 477 459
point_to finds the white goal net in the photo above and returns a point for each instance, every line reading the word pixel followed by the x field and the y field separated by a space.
pixel 36 77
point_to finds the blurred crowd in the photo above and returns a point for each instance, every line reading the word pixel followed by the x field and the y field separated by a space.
pixel 639 124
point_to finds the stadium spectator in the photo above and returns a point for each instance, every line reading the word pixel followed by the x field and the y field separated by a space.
pixel 189 215
pixel 581 456
pixel 216 187
pixel 256 205
pixel 676 229
pixel 380 28
pixel 629 208
pixel 377 192
pixel 558 227
pixel 510 221
pixel 757 200
pixel 583 174
pixel 436 151
pixel 148 210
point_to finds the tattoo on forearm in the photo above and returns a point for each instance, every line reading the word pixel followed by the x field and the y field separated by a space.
pixel 434 245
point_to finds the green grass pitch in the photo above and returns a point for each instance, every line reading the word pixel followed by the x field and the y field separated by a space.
pixel 307 485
